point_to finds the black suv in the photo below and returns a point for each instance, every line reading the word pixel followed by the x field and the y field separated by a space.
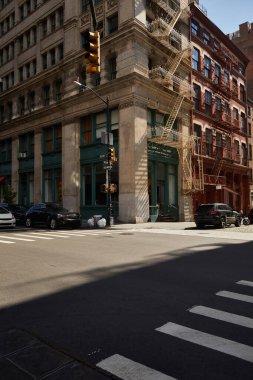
pixel 250 216
pixel 217 214
pixel 52 215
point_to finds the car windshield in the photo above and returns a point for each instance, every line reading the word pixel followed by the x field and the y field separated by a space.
pixel 4 211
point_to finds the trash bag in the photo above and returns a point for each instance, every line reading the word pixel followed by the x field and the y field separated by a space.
pixel 101 223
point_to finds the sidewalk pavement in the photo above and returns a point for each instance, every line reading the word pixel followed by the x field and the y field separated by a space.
pixel 24 357
pixel 149 225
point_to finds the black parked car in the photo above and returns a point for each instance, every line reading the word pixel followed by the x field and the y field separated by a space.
pixel 217 214
pixel 250 216
pixel 18 211
pixel 52 215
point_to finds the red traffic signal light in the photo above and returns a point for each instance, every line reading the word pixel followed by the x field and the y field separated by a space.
pixel 92 52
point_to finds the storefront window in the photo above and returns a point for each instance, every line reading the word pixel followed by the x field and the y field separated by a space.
pixel 52 185
pixel 101 198
pixel 172 185
pixel 26 197
pixel 115 125
pixel 87 185
pixel 100 124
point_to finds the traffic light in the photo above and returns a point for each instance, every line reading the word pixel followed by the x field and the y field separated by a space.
pixel 92 52
pixel 103 188
pixel 111 154
pixel 113 188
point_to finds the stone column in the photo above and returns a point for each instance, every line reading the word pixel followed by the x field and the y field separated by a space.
pixel 14 166
pixel 71 165
pixel 37 167
pixel 133 165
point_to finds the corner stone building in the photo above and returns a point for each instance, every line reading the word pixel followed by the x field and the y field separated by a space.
pixel 50 128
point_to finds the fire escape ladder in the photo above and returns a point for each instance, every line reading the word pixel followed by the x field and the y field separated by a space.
pixel 174 112
pixel 199 182
pixel 175 62
pixel 184 154
pixel 217 168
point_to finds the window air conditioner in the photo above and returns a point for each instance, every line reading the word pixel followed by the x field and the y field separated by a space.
pixel 22 155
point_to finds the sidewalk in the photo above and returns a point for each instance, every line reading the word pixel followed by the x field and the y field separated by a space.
pixel 148 225
pixel 24 357
pixel 156 225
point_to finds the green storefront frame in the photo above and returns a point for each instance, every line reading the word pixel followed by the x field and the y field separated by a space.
pixel 93 153
pixel 163 182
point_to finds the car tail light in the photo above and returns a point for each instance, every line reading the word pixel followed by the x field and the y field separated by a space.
pixel 213 212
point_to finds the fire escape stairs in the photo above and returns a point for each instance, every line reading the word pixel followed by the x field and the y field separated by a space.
pixel 178 88
pixel 217 168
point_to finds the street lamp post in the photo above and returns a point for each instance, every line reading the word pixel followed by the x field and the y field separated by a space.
pixel 108 167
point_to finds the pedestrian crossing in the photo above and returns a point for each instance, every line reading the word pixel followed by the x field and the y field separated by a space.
pixel 30 236
pixel 126 369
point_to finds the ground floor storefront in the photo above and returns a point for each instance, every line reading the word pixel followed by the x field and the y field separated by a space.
pixel 232 186
pixel 66 163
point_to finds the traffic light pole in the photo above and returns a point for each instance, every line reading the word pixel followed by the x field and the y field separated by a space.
pixel 108 170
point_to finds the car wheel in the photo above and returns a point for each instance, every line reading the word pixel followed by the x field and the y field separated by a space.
pixel 237 222
pixel 199 226
pixel 28 222
pixel 53 224
pixel 223 222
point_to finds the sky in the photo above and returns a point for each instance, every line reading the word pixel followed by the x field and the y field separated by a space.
pixel 229 14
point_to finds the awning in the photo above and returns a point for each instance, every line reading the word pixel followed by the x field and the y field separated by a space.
pixel 2 178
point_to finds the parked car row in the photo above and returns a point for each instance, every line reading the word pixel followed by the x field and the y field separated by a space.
pixel 53 215
pixel 50 215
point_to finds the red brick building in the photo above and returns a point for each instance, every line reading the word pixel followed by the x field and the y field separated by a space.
pixel 219 117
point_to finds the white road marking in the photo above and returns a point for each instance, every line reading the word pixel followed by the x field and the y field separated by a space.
pixel 235 296
pixel 37 237
pixel 244 282
pixel 61 233
pixel 223 316
pixel 7 242
pixel 51 234
pixel 68 232
pixel 15 238
pixel 217 343
pixel 127 369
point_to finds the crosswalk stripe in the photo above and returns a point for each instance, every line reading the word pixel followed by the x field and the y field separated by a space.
pixel 223 316
pixel 38 237
pixel 217 343
pixel 127 369
pixel 51 234
pixel 7 242
pixel 70 233
pixel 15 238
pixel 244 282
pixel 235 296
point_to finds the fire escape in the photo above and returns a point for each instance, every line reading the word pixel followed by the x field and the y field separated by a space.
pixel 225 123
pixel 175 82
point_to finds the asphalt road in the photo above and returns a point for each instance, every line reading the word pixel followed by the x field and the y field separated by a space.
pixel 157 304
